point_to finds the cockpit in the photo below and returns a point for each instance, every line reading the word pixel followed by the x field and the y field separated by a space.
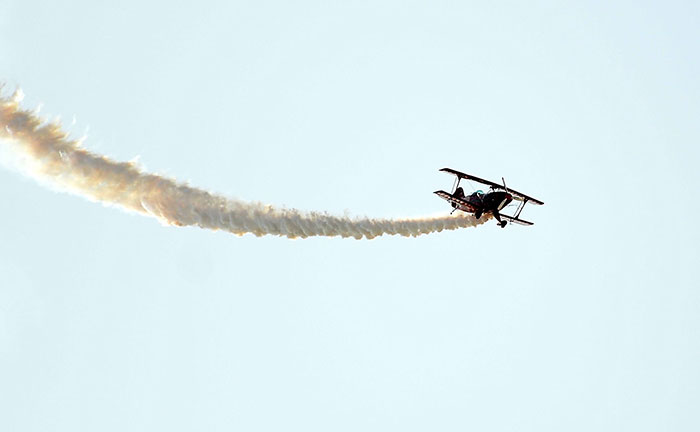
pixel 477 196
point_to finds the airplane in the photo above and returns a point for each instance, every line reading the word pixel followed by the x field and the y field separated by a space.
pixel 491 202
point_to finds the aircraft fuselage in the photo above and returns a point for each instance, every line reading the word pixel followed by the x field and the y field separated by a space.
pixel 480 203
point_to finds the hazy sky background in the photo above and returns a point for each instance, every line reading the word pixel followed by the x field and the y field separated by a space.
pixel 586 321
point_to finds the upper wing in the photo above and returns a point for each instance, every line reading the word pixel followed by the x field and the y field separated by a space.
pixel 522 197
pixel 516 195
pixel 471 177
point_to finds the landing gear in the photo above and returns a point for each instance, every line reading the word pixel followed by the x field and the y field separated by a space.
pixel 501 223
pixel 477 214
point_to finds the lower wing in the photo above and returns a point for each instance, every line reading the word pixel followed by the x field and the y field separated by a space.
pixel 516 220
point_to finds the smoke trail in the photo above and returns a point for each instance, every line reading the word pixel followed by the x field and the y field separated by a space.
pixel 47 153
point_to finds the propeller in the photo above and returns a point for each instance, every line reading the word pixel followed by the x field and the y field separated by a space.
pixel 504 185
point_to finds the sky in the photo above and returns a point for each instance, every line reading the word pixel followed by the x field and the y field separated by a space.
pixel 585 321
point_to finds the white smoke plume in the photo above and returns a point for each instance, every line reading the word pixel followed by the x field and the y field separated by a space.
pixel 48 154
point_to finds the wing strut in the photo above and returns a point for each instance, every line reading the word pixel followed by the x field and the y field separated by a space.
pixel 521 206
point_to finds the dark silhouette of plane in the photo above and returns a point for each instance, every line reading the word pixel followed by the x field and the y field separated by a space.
pixel 480 203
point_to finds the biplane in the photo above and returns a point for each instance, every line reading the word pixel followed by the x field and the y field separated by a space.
pixel 480 203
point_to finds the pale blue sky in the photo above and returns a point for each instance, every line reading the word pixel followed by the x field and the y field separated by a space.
pixel 586 321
